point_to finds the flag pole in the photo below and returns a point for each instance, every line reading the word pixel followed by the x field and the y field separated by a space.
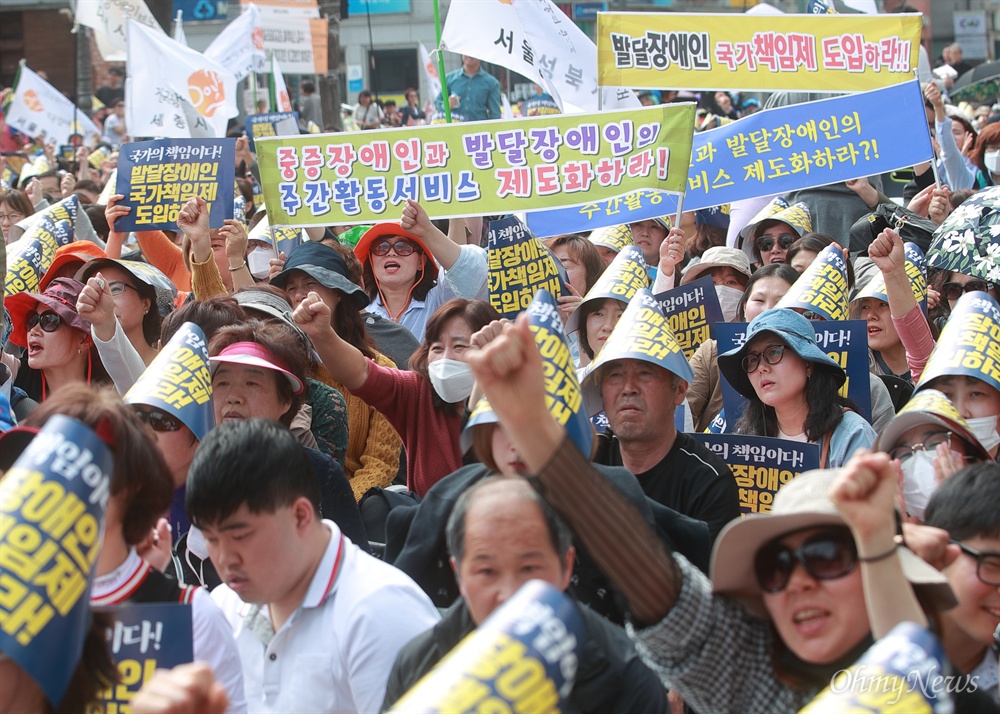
pixel 253 79
pixel 271 85
pixel 444 79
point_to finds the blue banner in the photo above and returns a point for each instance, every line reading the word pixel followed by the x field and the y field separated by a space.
pixel 52 504
pixel 692 312
pixel 158 177
pixel 845 341
pixel 822 287
pixel 271 124
pixel 969 344
pixel 146 637
pixel 377 7
pixel 29 256
pixel 631 207
pixel 201 10
pixel 519 266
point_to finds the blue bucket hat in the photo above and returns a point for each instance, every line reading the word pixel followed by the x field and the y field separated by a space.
pixel 324 264
pixel 791 328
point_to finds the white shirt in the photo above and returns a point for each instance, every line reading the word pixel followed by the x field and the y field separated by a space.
pixel 212 637
pixel 335 652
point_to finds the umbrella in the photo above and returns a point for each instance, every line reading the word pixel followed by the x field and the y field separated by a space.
pixel 979 84
pixel 968 242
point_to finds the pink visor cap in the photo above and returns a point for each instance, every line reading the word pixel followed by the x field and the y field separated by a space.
pixel 253 354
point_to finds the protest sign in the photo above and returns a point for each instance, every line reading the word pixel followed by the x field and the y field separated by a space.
pixel 519 266
pixel 623 277
pixel 282 239
pixel 272 124
pixel 615 238
pixel 145 637
pixel 158 177
pixel 39 109
pixel 240 46
pixel 52 505
pixel 692 312
pixel 914 266
pixel 179 382
pixel 523 657
pixel 761 465
pixel 969 344
pixel 494 167
pixel 639 205
pixel 31 255
pixel 836 53
pixel 822 287
pixel 844 341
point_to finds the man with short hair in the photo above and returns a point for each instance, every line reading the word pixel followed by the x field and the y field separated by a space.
pixel 473 93
pixel 310 109
pixel 317 621
pixel 501 534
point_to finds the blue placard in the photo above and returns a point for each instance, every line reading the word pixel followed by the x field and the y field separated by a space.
pixel 30 256
pixel 52 504
pixel 146 637
pixel 201 10
pixel 158 177
pixel 377 7
pixel 271 124
pixel 845 341
pixel 692 312
pixel 587 11
pixel 628 208
pixel 761 465
pixel 519 266
pixel 969 343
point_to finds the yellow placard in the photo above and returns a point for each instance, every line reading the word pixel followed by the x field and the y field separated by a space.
pixel 820 53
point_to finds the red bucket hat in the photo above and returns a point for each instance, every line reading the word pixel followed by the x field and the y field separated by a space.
pixel 381 230
pixel 60 297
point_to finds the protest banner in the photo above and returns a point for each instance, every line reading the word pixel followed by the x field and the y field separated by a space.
pixel 519 266
pixel 844 341
pixel 30 256
pixel 38 109
pixel 639 205
pixel 615 238
pixel 109 21
pixel 240 46
pixel 52 506
pixel 145 637
pixel 179 382
pixel 761 465
pixel 692 312
pixel 563 397
pixel 914 266
pixel 158 177
pixel 969 344
pixel 276 85
pixel 272 124
pixel 822 287
pixel 494 167
pixel 623 277
pixel 836 53
pixel 521 658
pixel 282 239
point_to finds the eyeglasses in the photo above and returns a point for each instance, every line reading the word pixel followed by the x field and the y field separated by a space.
pixel 825 556
pixel 766 243
pixel 48 321
pixel 402 248
pixel 159 420
pixel 772 354
pixel 12 217
pixel 118 287
pixel 929 446
pixel 953 291
pixel 987 564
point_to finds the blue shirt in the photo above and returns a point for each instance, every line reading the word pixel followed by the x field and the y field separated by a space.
pixel 479 95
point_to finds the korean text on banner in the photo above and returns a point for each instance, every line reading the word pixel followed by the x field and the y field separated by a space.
pixel 272 124
pixel 761 465
pixel 519 266
pixel 692 311
pixel 493 167
pixel 39 109
pixel 240 46
pixel 833 53
pixel 146 637
pixel 631 207
pixel 31 255
pixel 109 20
pixel 158 177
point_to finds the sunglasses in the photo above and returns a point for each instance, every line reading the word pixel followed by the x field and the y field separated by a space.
pixel 825 556
pixel 928 446
pixel 772 354
pixel 48 321
pixel 159 420
pixel 402 248
pixel 766 243
pixel 118 287
pixel 953 291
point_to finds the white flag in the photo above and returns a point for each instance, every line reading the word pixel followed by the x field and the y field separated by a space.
pixel 175 92
pixel 37 108
pixel 430 72
pixel 281 100
pixel 179 28
pixel 109 20
pixel 240 46
pixel 506 112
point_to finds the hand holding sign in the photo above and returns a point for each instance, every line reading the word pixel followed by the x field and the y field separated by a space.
pixel 189 688
pixel 276 265
pixel 569 303
pixel 114 211
pixel 96 304
pixel 671 251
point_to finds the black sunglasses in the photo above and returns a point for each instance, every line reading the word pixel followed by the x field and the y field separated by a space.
pixel 48 321
pixel 403 248
pixel 159 420
pixel 772 354
pixel 825 556
pixel 766 243
pixel 953 291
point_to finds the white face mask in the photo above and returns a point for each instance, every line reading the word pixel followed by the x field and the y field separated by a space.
pixel 729 300
pixel 259 262
pixel 919 482
pixel 992 161
pixel 985 429
pixel 451 379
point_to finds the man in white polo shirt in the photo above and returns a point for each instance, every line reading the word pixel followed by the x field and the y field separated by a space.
pixel 317 621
